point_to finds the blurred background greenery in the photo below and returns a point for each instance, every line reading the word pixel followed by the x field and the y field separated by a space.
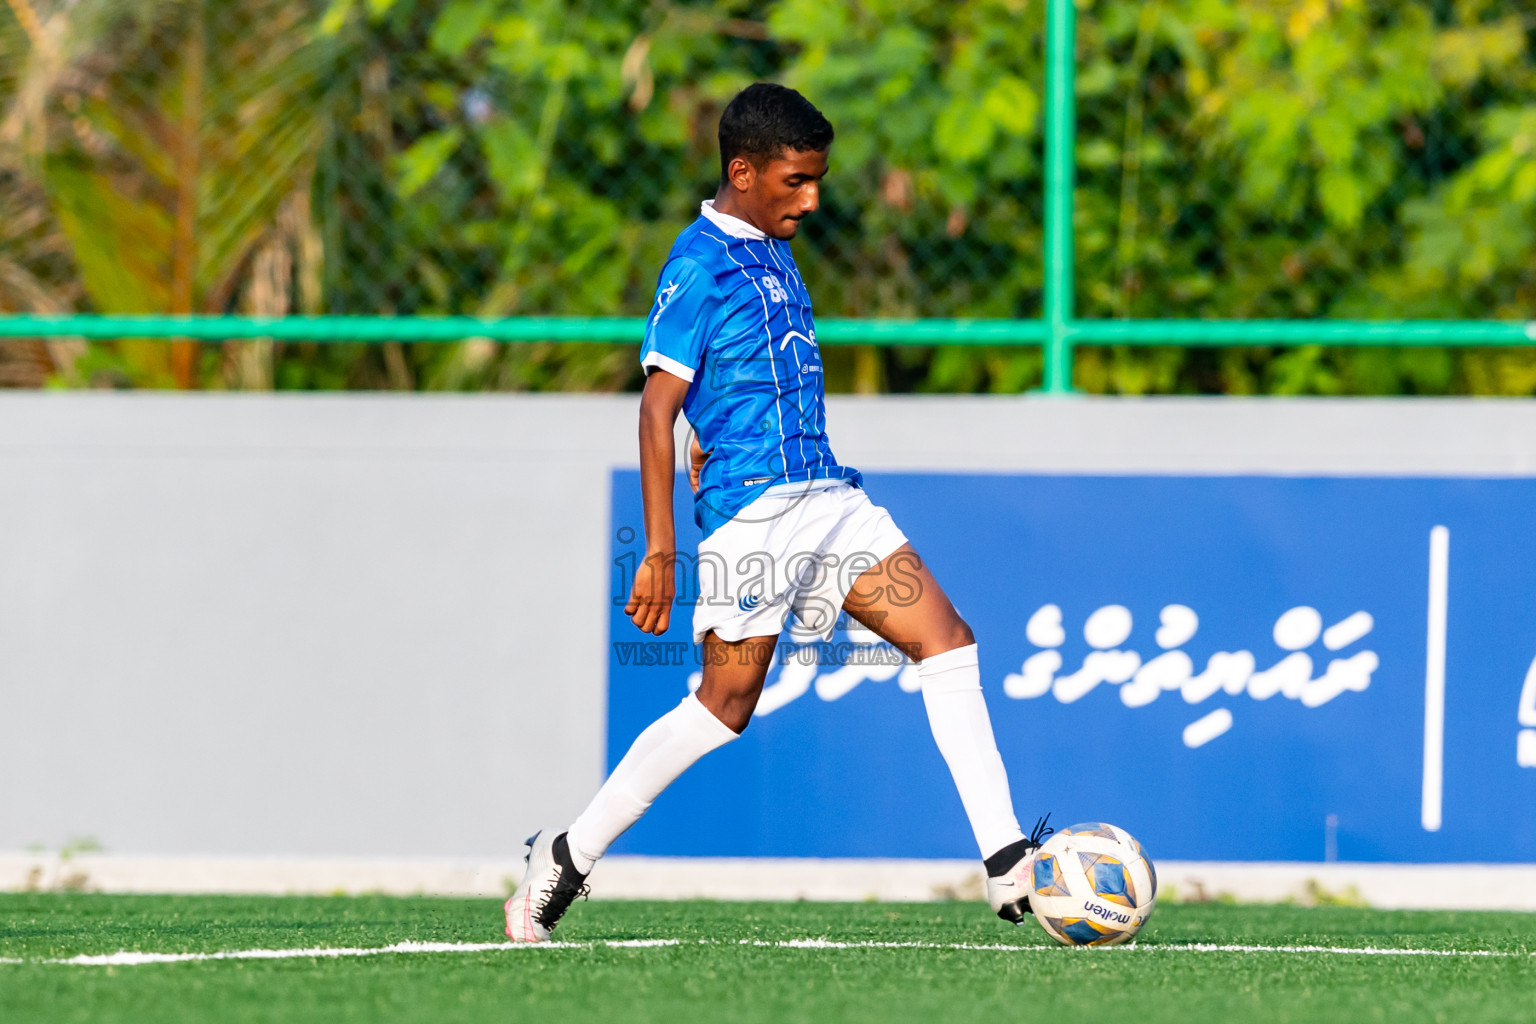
pixel 1236 159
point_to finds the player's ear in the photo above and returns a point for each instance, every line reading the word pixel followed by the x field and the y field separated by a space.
pixel 741 173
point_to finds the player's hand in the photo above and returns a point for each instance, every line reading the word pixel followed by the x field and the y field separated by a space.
pixel 696 458
pixel 650 599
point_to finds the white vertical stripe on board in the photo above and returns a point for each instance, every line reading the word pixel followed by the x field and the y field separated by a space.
pixel 1434 677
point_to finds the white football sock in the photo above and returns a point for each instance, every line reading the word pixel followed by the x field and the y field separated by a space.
pixel 658 756
pixel 957 714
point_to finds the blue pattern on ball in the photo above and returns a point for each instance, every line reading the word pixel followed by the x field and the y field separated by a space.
pixel 1081 932
pixel 1048 877
pixel 1109 879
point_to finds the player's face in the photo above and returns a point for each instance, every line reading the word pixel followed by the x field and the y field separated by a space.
pixel 787 189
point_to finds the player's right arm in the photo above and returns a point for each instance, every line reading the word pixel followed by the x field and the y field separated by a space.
pixel 650 599
pixel 697 456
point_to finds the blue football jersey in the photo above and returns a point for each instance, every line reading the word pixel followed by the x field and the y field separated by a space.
pixel 732 316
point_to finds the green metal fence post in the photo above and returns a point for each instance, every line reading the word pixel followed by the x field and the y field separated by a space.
pixel 1060 167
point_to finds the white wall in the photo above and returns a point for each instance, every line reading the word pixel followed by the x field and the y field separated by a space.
pixel 375 625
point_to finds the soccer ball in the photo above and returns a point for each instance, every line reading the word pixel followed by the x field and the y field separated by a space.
pixel 1093 886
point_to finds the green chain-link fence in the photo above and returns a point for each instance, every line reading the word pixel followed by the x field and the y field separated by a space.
pixel 515 160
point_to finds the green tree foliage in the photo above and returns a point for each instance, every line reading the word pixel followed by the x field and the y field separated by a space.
pixel 1247 158
pixel 1237 158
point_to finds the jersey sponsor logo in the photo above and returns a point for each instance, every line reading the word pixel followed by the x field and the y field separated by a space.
pixel 775 288
pixel 749 602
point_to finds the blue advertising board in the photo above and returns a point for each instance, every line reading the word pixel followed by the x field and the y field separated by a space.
pixel 1232 668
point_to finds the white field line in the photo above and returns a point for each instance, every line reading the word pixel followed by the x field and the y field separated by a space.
pixel 134 959
pixel 1192 947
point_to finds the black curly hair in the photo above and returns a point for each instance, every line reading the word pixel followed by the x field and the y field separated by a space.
pixel 764 120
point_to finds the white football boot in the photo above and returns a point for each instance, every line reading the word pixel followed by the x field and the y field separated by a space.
pixel 1011 874
pixel 550 885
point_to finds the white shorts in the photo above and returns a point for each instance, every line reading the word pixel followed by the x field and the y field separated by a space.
pixel 796 550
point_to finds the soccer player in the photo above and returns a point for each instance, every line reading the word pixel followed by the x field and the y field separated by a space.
pixel 730 342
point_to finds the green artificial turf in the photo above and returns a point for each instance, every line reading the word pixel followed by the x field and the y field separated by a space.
pixel 713 976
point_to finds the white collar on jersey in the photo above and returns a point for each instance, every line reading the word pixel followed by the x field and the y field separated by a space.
pixel 733 226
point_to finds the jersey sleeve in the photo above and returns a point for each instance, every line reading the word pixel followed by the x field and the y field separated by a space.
pixel 689 310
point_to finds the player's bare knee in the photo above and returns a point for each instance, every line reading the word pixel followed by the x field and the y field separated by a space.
pixel 735 712
pixel 952 636
pixel 730 700
pixel 732 712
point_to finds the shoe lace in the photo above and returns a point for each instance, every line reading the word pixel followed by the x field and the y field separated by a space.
pixel 1041 831
pixel 558 897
